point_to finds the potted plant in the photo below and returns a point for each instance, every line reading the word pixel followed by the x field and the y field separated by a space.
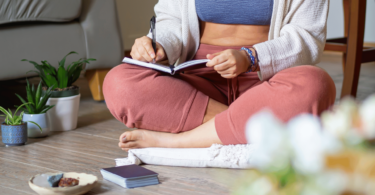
pixel 14 129
pixel 65 96
pixel 36 110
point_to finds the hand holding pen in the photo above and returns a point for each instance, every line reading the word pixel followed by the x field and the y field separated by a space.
pixel 146 51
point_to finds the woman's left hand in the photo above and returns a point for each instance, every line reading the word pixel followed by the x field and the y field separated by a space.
pixel 229 63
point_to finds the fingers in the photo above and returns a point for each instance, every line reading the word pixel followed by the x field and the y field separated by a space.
pixel 224 66
pixel 218 59
pixel 142 50
pixel 211 56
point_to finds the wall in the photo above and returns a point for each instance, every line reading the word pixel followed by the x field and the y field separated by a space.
pixel 134 17
pixel 336 20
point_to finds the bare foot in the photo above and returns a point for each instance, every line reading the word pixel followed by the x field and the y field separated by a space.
pixel 145 139
pixel 202 136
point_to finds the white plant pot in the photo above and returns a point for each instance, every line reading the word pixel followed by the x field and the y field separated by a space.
pixel 63 116
pixel 33 130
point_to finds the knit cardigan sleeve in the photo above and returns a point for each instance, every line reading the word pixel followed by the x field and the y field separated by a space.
pixel 168 28
pixel 301 38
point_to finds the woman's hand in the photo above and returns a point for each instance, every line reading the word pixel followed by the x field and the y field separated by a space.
pixel 229 63
pixel 142 50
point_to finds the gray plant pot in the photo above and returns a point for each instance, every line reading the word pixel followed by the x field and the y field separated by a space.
pixel 33 130
pixel 14 135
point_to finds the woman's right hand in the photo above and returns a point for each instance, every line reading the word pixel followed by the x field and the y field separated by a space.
pixel 142 50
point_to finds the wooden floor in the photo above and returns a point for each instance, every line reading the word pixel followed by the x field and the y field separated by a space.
pixel 93 145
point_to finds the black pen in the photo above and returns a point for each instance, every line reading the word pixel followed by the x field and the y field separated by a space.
pixel 153 32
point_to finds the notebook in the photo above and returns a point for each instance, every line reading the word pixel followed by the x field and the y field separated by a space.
pixel 130 176
pixel 168 69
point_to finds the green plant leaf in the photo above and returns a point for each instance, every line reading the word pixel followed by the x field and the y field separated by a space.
pixel 47 108
pixel 17 120
pixel 31 111
pixel 35 124
pixel 49 68
pixel 8 115
pixel 30 97
pixel 10 112
pixel 21 107
pixel 62 62
pixel 37 66
pixel 51 81
pixel 62 76
pixel 45 98
pixel 38 93
pixel 75 75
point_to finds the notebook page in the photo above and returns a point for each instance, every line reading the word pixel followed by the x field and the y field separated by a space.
pixel 159 67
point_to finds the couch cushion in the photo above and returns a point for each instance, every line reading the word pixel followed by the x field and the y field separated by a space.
pixel 39 10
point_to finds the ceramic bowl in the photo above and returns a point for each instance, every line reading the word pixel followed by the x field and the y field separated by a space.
pixel 86 182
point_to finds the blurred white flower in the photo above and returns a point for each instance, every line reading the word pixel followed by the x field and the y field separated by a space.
pixel 309 143
pixel 326 183
pixel 341 120
pixel 268 136
pixel 367 115
pixel 261 186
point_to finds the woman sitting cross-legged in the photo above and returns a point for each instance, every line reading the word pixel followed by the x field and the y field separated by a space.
pixel 261 55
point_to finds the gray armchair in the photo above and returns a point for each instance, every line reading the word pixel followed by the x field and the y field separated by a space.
pixel 49 29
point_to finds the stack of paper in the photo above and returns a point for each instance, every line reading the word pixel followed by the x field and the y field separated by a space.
pixel 130 176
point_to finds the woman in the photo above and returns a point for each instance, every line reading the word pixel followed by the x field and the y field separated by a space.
pixel 211 105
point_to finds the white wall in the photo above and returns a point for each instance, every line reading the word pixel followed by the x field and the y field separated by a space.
pixel 134 17
pixel 336 20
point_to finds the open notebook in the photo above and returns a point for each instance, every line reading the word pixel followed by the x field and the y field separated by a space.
pixel 168 69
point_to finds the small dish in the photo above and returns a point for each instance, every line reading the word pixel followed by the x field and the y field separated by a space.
pixel 86 183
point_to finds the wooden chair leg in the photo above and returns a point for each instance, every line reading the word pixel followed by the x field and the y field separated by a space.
pixel 355 47
pixel 96 78
pixel 346 6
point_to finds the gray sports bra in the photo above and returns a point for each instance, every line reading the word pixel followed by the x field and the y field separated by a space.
pixel 251 12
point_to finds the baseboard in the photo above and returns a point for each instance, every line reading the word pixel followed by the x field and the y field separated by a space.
pixel 369 44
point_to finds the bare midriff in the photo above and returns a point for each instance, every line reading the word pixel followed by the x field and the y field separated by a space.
pixel 232 34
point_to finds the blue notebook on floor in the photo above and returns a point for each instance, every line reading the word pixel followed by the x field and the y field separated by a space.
pixel 130 176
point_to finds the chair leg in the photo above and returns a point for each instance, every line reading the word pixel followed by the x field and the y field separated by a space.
pixel 355 47
pixel 96 78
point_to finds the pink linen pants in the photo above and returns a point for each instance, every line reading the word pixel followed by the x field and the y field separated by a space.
pixel 147 99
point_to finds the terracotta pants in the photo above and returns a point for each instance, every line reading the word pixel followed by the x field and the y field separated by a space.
pixel 147 99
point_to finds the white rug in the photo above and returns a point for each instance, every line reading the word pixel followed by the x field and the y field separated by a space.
pixel 230 156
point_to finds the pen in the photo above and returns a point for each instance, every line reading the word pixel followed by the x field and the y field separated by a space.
pixel 153 32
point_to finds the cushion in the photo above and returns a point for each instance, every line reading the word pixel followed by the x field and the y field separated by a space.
pixel 39 10
pixel 219 156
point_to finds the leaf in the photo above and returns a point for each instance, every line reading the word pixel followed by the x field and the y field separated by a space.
pixel 37 66
pixel 51 81
pixel 30 97
pixel 62 76
pixel 62 62
pixel 21 107
pixel 75 75
pixel 35 124
pixel 47 108
pixel 10 112
pixel 17 120
pixel 27 106
pixel 49 68
pixel 45 98
pixel 8 115
pixel 38 93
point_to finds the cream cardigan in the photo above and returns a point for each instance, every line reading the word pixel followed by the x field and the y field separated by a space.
pixel 297 34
